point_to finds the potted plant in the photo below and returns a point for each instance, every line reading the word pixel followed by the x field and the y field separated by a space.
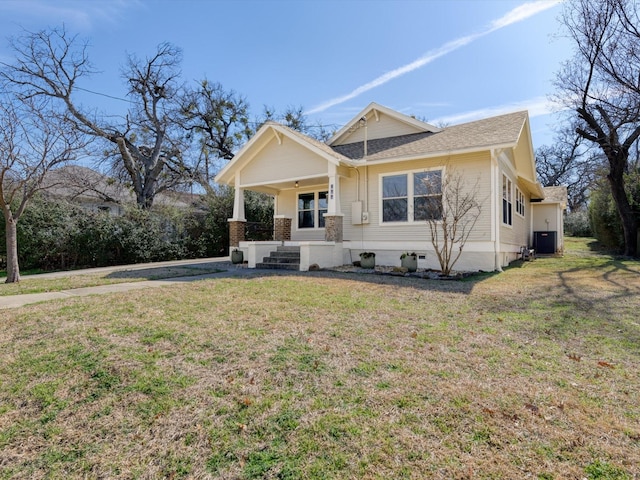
pixel 409 261
pixel 368 260
pixel 237 256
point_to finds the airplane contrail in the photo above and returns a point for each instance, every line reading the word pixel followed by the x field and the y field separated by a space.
pixel 518 14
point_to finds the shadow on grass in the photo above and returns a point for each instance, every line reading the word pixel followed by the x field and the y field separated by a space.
pixel 164 272
pixel 597 247
pixel 463 285
pixel 603 300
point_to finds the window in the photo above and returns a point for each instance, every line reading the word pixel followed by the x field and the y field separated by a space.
pixel 427 195
pixel 519 202
pixel 506 201
pixel 395 197
pixel 311 209
pixel 412 197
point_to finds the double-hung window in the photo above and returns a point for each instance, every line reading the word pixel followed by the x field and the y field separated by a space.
pixel 427 195
pixel 412 197
pixel 507 217
pixel 311 209
pixel 395 198
pixel 519 202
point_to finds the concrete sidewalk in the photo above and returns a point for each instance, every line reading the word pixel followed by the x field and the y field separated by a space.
pixel 129 268
pixel 229 270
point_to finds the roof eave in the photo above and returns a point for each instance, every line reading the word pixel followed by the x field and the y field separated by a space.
pixel 427 127
pixel 225 175
pixel 440 153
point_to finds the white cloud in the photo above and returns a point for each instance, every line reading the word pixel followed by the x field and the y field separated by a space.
pixel 518 14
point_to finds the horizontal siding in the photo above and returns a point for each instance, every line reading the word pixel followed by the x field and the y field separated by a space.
pixel 517 234
pixel 287 205
pixel 473 166
pixel 276 162
pixel 545 212
pixel 348 192
pixel 522 153
pixel 383 128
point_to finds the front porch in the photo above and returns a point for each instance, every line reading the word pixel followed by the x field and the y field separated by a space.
pixel 292 255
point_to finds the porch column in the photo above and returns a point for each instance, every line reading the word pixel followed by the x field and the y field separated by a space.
pixel 333 208
pixel 333 228
pixel 236 232
pixel 238 200
pixel 333 217
pixel 238 221
pixel 281 228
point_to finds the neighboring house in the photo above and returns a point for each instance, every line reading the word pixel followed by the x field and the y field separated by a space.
pixel 95 191
pixel 87 188
pixel 360 191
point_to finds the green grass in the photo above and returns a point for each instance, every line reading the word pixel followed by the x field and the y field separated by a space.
pixel 531 373
pixel 40 285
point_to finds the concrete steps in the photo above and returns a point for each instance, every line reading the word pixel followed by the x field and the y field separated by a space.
pixel 284 258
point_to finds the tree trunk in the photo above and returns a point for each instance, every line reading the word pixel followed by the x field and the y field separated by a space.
pixel 13 269
pixel 627 217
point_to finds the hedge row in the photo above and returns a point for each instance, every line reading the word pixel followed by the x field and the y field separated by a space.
pixel 56 235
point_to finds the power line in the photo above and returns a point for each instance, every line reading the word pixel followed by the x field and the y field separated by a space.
pixel 104 95
pixel 253 123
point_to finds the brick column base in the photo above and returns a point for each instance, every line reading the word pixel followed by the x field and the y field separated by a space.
pixel 236 232
pixel 281 229
pixel 333 228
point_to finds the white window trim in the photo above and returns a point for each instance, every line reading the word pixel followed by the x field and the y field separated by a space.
pixel 509 199
pixel 316 210
pixel 520 199
pixel 410 196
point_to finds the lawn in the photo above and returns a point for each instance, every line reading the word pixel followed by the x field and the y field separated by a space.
pixel 531 373
pixel 69 280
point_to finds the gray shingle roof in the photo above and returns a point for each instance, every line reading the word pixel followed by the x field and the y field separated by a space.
pixel 500 130
pixel 555 194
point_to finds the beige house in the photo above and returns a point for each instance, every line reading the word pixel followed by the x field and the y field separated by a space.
pixel 361 191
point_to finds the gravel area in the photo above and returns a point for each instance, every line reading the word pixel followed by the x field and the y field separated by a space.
pixel 400 272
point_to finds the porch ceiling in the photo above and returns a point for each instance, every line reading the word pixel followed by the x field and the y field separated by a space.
pixel 275 186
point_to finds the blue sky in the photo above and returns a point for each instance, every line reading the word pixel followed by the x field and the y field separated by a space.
pixel 446 61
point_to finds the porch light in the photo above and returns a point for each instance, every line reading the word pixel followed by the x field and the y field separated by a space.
pixel 296 184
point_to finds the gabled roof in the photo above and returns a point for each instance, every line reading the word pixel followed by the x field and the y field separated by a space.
pixel 373 110
pixel 556 195
pixel 496 132
pixel 274 128
pixel 509 131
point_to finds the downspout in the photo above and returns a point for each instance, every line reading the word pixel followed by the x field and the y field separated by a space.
pixel 366 168
pixel 496 204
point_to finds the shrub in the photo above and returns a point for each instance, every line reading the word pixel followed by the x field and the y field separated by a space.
pixel 577 224
pixel 605 221
pixel 55 234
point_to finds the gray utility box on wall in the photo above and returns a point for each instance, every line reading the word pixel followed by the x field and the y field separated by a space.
pixel 544 242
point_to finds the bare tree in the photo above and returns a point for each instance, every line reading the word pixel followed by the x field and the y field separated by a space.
pixel 451 209
pixel 219 121
pixel 50 64
pixel 567 162
pixel 601 83
pixel 33 141
pixel 294 118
